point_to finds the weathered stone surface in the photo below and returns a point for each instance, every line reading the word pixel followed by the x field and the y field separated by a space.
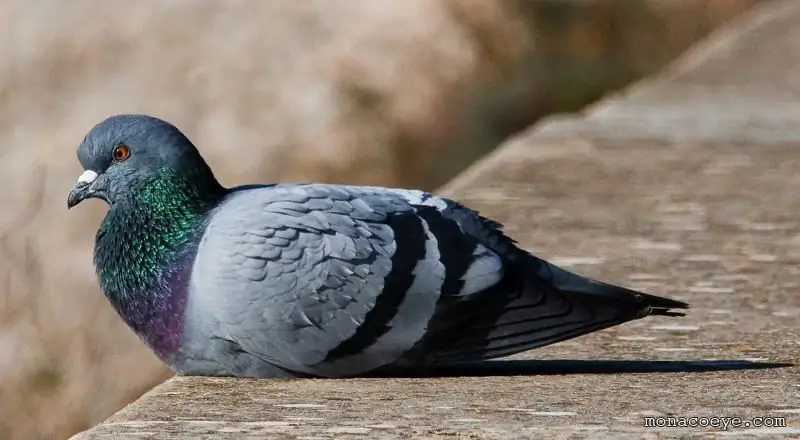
pixel 686 185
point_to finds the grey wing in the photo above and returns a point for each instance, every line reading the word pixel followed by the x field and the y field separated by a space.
pixel 503 300
pixel 321 279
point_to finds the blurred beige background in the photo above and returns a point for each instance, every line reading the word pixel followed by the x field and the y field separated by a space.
pixel 388 93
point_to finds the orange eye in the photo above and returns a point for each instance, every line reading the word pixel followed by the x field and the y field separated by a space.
pixel 121 152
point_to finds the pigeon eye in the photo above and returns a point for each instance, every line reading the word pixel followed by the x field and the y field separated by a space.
pixel 121 152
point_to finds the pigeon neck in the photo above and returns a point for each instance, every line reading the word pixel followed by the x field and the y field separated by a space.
pixel 144 252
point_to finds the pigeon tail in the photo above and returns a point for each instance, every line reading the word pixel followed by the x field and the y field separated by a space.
pixel 535 305
pixel 653 305
pixel 648 305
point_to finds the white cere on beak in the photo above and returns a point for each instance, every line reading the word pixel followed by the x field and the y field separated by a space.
pixel 87 177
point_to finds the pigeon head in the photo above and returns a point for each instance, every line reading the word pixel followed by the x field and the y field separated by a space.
pixel 124 153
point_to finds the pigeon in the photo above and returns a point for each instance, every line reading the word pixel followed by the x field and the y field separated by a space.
pixel 316 279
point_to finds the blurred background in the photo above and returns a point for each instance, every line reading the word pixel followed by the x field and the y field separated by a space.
pixel 401 93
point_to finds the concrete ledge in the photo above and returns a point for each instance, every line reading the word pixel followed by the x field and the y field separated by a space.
pixel 686 185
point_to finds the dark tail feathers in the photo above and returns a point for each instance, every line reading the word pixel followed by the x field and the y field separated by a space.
pixel 530 310
pixel 650 305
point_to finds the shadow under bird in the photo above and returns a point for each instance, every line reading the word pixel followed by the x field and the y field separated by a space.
pixel 316 279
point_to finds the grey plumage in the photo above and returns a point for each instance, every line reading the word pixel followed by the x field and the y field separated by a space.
pixel 334 280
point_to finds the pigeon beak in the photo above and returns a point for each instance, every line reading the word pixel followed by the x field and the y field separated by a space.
pixel 82 189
